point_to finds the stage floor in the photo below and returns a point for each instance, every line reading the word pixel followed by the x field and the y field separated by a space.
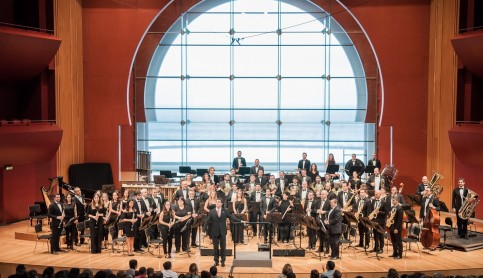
pixel 15 251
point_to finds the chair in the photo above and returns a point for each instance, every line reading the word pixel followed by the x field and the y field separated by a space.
pixel 120 240
pixel 348 242
pixel 48 237
pixel 151 240
pixel 446 228
pixel 449 221
pixel 413 237
pixel 83 226
pixel 34 211
pixel 472 229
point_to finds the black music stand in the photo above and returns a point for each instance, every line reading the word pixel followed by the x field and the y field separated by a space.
pixel 244 171
pixel 369 169
pixel 198 222
pixel 350 217
pixel 368 224
pixel 273 218
pixel 108 188
pixel 332 169
pixel 254 207
pixel 296 218
pixel 355 168
pixel 243 217
pixel 414 199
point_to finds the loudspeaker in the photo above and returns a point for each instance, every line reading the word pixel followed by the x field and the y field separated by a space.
pixel 211 252
pixel 288 253
pixel 263 247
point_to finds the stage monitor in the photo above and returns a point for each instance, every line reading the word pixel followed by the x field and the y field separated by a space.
pixel 167 174
pixel 160 179
pixel 244 171
pixel 184 169
pixel 332 169
pixel 201 172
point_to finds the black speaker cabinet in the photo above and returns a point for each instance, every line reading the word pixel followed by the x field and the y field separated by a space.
pixel 288 253
pixel 210 252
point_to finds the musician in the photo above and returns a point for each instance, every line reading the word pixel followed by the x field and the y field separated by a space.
pixel 354 181
pixel 386 199
pixel 354 162
pixel 363 208
pixel 304 163
pixel 272 185
pixel 268 205
pixel 395 194
pixel 334 222
pixel 331 192
pixel 96 212
pixel 105 205
pixel 194 204
pixel 142 212
pixel 183 191
pixel 158 200
pixel 304 191
pixel 313 172
pixel 322 207
pixel 70 214
pixel 125 199
pixel 344 198
pixel 261 179
pixel 331 161
pixel 285 206
pixel 458 199
pixel 56 215
pixel 113 214
pixel 129 220
pixel 318 185
pixel 182 213
pixel 166 220
pixel 217 220
pixel 428 201
pixel 239 205
pixel 375 180
pixel 396 229
pixel 250 185
pixel 211 201
pixel 238 161
pixel 374 161
pixel 214 178
pixel 189 181
pixel 231 196
pixel 256 168
pixel 380 218
pixel 424 183
pixel 234 179
pixel 311 210
pixel 205 186
pixel 255 200
pixel 282 183
pixel 225 185
pixel 80 206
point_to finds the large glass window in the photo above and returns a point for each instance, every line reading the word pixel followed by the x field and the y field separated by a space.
pixel 271 78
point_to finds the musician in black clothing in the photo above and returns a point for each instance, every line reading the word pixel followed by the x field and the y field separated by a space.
pixel 80 205
pixel 354 162
pixel 267 206
pixel 142 211
pixel 182 213
pixel 322 207
pixel 345 200
pixel 363 209
pixel 458 199
pixel 166 221
pixel 285 207
pixel 428 202
pixel 238 161
pixel 310 210
pixel 379 218
pixel 374 161
pixel 282 184
pixel 396 229
pixel 334 226
pixel 255 200
pixel 55 213
pixel 70 213
pixel 194 205
pixel 96 212
pixel 182 192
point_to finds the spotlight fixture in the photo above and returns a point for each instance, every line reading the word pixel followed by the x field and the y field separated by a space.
pixel 8 167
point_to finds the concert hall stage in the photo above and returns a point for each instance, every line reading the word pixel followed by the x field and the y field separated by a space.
pixel 20 251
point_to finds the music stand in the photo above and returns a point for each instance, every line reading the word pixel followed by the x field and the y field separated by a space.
pixel 160 179
pixel 368 224
pixel 198 222
pixel 241 216
pixel 108 188
pixel 273 218
pixel 166 173
pixel 332 169
pixel 184 170
pixel 355 168
pixel 296 218
pixel 369 169
pixel 244 171
pixel 201 172
pixel 414 199
pixel 350 217
pixel 411 219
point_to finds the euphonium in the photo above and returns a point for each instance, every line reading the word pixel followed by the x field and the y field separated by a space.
pixel 434 186
pixel 468 207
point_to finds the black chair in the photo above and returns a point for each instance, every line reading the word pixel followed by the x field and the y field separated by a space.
pixel 83 226
pixel 153 241
pixel 446 228
pixel 34 213
pixel 119 241
pixel 48 237
pixel 412 237
pixel 348 241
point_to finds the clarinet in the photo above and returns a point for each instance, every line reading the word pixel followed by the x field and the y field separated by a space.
pixel 63 215
pixel 132 224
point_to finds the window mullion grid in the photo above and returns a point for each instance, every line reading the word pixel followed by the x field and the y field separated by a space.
pixel 279 83
pixel 232 80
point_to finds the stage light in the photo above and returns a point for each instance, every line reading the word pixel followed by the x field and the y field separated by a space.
pixel 8 167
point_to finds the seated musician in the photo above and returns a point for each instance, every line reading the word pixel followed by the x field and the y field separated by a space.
pixel 429 201
pixel 272 185
pixel 234 179
pixel 355 181
pixel 250 185
pixel 225 185
pixel 318 185
pixel 282 184
pixel 189 181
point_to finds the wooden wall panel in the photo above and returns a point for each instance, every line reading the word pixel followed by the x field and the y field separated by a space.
pixel 69 83
pixel 442 92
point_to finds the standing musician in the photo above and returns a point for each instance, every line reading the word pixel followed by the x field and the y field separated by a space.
pixel 424 183
pixel 125 199
pixel 334 222
pixel 255 169
pixel 428 201
pixel 238 161
pixel 268 205
pixel 113 215
pixel 239 205
pixel 96 212
pixel 285 207
pixel 158 201
pixel 182 213
pixel 129 220
pixel 395 194
pixel 234 179
pixel 304 191
pixel 210 203
pixel 105 205
pixel 379 218
pixel 313 172
pixel 396 229
pixel 310 210
pixel 194 204
pixel 217 220
pixel 354 162
pixel 375 179
pixel 255 197
pixel 56 215
pixel 203 187
pixel 183 191
pixel 374 161
pixel 459 195
pixel 323 207
pixel 70 214
pixel 363 209
pixel 142 212
pixel 80 205
pixel 282 184
pixel 166 221
pixel 304 163
pixel 231 196
pixel 354 181
pixel 343 199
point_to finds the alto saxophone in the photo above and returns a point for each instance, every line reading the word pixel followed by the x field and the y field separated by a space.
pixel 358 214
pixel 390 220
pixel 374 213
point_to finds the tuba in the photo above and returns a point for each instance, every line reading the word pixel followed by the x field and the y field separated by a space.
pixel 434 186
pixel 468 207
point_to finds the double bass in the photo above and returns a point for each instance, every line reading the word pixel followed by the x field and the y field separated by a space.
pixel 430 236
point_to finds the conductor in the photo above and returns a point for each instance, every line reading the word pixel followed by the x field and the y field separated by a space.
pixel 217 219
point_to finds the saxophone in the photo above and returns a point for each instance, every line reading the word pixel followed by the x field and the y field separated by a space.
pixel 347 204
pixel 390 220
pixel 374 213
pixel 358 214
pixel 468 207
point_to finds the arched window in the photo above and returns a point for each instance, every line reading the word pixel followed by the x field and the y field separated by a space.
pixel 271 78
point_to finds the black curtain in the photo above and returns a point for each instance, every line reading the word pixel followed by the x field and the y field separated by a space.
pixel 90 175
